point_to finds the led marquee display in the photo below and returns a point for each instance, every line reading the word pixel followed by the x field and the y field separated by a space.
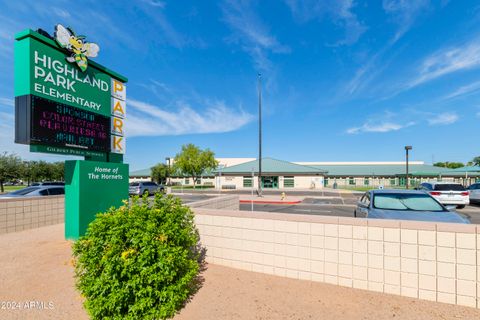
pixel 57 124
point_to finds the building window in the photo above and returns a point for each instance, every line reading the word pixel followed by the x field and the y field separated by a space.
pixel 393 182
pixel 187 181
pixel 288 182
pixel 351 181
pixel 247 182
pixel 325 182
pixel 366 182
pixel 199 181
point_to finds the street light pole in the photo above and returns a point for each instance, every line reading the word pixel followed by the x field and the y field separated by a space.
pixel 406 163
pixel 259 135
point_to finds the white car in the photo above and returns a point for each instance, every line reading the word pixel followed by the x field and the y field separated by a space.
pixel 474 190
pixel 447 193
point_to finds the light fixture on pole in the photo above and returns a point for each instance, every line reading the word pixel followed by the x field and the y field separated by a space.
pixel 407 148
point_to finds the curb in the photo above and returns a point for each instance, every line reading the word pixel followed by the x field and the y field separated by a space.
pixel 270 202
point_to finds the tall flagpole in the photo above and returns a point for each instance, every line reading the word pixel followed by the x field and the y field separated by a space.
pixel 259 135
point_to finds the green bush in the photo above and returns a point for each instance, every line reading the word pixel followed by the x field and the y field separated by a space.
pixel 139 261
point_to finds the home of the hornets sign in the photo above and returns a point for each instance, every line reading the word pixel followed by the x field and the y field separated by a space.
pixel 66 103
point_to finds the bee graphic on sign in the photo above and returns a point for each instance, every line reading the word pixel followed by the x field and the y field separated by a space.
pixel 80 49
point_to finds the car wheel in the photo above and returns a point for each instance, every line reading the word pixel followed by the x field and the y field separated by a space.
pixel 461 206
pixel 146 192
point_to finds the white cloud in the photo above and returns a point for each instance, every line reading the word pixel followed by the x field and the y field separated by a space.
pixel 7 102
pixel 155 3
pixel 249 31
pixel 340 11
pixel 381 127
pixel 61 13
pixel 448 60
pixel 404 13
pixel 443 119
pixel 145 119
pixel 464 90
pixel 386 121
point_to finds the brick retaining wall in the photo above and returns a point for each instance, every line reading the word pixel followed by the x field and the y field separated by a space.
pixel 29 213
pixel 432 261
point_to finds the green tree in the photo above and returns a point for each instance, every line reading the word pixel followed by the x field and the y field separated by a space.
pixel 57 170
pixel 193 162
pixel 455 165
pixel 160 172
pixel 10 168
pixel 450 165
pixel 476 161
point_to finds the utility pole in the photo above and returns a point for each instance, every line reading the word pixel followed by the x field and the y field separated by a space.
pixel 259 135
pixel 406 157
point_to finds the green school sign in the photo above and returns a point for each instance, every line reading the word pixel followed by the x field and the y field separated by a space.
pixel 44 70
pixel 67 104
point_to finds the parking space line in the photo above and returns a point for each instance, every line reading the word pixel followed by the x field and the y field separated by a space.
pixel 308 210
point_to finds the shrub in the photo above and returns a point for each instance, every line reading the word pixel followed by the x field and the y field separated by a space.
pixel 139 261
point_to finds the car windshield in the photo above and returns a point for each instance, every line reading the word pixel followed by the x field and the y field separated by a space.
pixel 24 191
pixel 449 187
pixel 134 184
pixel 407 202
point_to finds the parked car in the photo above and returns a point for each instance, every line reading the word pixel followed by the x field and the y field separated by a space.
pixel 447 193
pixel 142 187
pixel 48 183
pixel 404 205
pixel 474 190
pixel 34 191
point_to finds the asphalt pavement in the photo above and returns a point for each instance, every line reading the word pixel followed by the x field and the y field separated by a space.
pixel 324 209
pixel 331 207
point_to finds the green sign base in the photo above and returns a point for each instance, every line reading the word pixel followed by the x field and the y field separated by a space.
pixel 91 187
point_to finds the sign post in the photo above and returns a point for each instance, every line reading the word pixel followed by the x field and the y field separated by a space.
pixel 67 104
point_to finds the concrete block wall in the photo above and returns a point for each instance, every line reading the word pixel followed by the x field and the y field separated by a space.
pixel 29 213
pixel 431 261
pixel 230 202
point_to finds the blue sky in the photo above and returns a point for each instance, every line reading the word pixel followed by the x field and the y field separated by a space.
pixel 343 80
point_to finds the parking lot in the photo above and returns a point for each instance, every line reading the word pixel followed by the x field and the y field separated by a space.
pixel 337 206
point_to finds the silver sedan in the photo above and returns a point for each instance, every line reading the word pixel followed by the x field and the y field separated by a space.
pixel 404 205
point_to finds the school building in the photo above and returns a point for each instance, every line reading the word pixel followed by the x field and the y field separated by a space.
pixel 242 173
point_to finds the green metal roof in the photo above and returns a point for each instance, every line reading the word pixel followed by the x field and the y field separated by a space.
pixel 386 170
pixel 141 173
pixel 270 165
pixel 468 169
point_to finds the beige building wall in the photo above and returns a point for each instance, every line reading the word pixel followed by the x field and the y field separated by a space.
pixel 431 261
pixel 300 182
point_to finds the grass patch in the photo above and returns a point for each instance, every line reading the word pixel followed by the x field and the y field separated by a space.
pixel 12 188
